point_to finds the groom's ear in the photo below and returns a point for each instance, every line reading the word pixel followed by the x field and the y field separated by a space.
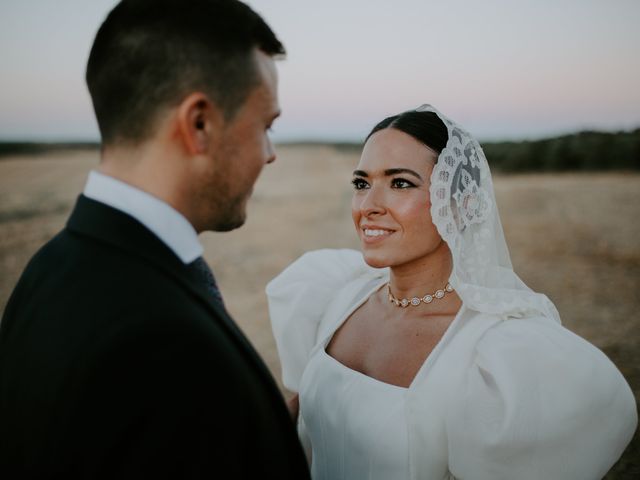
pixel 199 121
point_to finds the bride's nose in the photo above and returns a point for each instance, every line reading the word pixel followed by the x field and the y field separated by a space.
pixel 372 202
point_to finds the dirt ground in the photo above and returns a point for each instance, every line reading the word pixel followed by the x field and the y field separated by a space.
pixel 571 236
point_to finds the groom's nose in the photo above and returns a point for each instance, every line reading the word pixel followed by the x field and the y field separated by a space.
pixel 271 152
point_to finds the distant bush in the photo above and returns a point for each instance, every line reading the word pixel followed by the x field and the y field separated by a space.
pixel 38 148
pixel 579 151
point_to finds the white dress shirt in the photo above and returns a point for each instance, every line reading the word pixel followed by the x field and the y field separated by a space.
pixel 170 226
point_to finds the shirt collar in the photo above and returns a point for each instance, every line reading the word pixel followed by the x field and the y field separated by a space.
pixel 169 225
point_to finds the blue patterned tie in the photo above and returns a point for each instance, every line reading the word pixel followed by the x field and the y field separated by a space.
pixel 206 277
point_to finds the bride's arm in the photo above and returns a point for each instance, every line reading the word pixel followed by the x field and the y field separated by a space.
pixel 293 404
pixel 538 402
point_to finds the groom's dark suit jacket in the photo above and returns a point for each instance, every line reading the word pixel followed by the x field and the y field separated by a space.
pixel 115 363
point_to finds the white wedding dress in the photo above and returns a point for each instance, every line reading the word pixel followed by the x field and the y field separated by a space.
pixel 353 438
pixel 507 394
pixel 497 399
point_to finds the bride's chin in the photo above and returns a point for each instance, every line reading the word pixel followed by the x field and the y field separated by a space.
pixel 375 261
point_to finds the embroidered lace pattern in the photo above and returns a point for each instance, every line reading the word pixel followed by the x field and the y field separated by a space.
pixel 464 210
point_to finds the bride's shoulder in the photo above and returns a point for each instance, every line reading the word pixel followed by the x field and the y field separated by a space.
pixel 539 349
pixel 307 297
pixel 537 337
pixel 325 268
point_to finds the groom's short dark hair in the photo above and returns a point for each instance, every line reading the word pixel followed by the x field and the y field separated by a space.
pixel 150 54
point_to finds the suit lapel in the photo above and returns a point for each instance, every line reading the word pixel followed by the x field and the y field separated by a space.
pixel 108 225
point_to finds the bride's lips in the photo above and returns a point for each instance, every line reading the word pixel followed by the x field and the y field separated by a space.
pixel 371 234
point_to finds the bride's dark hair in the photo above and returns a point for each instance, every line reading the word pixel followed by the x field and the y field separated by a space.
pixel 426 127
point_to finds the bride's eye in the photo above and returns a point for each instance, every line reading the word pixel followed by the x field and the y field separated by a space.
pixel 401 183
pixel 359 184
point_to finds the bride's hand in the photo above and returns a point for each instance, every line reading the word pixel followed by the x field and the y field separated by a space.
pixel 294 407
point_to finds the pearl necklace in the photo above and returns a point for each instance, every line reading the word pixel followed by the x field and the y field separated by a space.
pixel 415 301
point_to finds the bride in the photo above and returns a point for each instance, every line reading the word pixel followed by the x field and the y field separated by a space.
pixel 425 356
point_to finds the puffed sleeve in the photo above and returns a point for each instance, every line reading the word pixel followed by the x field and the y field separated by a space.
pixel 298 300
pixel 539 402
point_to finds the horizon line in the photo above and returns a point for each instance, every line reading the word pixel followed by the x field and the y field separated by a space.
pixel 310 139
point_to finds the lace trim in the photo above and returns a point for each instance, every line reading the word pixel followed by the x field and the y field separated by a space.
pixel 463 210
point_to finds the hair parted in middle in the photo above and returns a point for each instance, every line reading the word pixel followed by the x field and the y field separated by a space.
pixel 426 127
pixel 148 55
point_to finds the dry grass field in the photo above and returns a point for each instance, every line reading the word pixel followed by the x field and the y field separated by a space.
pixel 572 236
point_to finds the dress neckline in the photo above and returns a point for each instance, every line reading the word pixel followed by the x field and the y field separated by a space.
pixel 362 376
pixel 448 333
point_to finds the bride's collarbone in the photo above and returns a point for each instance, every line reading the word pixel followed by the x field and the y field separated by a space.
pixel 388 345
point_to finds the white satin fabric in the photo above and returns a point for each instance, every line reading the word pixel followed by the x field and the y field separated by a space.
pixel 356 423
pixel 498 398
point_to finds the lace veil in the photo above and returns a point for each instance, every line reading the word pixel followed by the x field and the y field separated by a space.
pixel 464 210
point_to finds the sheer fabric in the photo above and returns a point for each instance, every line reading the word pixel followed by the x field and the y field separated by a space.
pixel 464 210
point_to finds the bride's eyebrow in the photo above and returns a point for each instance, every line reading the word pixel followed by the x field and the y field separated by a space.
pixel 396 171
pixel 389 172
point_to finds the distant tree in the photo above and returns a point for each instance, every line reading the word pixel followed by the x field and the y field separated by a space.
pixel 580 151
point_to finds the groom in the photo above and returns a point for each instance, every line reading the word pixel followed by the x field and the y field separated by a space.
pixel 117 356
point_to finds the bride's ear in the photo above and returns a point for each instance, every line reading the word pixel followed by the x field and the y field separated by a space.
pixel 198 120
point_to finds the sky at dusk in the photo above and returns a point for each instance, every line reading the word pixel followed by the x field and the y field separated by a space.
pixel 504 69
